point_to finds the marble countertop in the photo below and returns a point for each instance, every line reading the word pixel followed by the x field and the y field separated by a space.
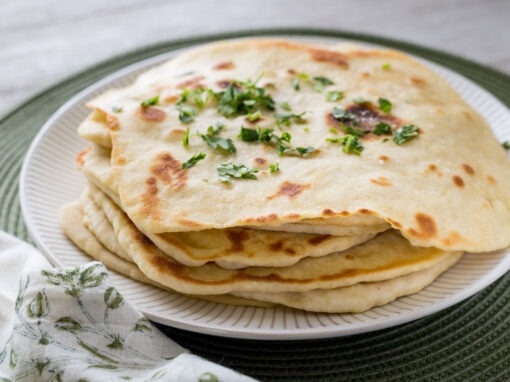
pixel 44 41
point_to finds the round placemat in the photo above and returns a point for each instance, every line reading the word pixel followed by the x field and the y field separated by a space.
pixel 469 341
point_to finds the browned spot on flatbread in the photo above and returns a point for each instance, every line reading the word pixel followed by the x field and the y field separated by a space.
pixel 267 218
pixel 276 246
pixel 259 160
pixel 292 72
pixel 491 179
pixel 191 83
pixel 323 55
pixel 468 115
pixel 328 211
pixel 188 223
pixel 365 211
pixel 80 158
pixel 171 98
pixel 366 75
pixel 345 213
pixel 150 199
pixel 426 227
pixel 226 65
pixel 316 240
pixel 458 181
pixel 293 216
pixel 237 238
pixel 151 114
pixel 433 168
pixel 384 158
pixel 418 81
pixel 290 251
pixel 366 117
pixel 468 169
pixel 169 170
pixel 290 190
pixel 350 257
pixel 381 181
pixel 112 122
pixel 452 238
pixel 120 160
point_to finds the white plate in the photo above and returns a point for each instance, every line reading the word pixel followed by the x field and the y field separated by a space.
pixel 49 179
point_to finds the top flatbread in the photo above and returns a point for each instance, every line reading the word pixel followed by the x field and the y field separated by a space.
pixel 446 188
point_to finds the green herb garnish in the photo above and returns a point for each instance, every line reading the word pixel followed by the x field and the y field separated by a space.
pixel 384 105
pixel 186 113
pixel 224 145
pixel 285 119
pixel 252 117
pixel 342 115
pixel 334 96
pixel 193 160
pixel 216 129
pixel 116 109
pixel 198 97
pixel 243 98
pixel 185 138
pixel 320 83
pixel 382 128
pixel 350 144
pixel 386 66
pixel 150 102
pixel 248 135
pixel 229 171
pixel 404 134
pixel 285 106
pixel 506 145
pixel 274 167
pixel 295 84
pixel 305 150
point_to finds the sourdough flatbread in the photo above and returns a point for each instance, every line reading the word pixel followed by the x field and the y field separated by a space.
pixel 229 248
pixel 71 217
pixel 421 188
pixel 387 256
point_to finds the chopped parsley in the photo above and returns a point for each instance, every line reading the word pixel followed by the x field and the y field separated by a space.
pixel 404 134
pixel 285 106
pixel 198 97
pixel 334 96
pixel 216 129
pixel 384 105
pixel 353 130
pixel 274 167
pixel 224 145
pixel 350 144
pixel 185 138
pixel 342 115
pixel 248 135
pixel 252 117
pixel 285 119
pixel 386 66
pixel 333 131
pixel 150 102
pixel 186 113
pixel 320 83
pixel 382 128
pixel 258 134
pixel 295 84
pixel 243 98
pixel 229 171
pixel 193 160
pixel 506 145
pixel 116 109
pixel 305 150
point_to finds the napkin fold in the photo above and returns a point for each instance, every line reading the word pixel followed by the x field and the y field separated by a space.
pixel 71 324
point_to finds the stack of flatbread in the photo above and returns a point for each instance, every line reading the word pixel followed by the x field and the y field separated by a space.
pixel 269 172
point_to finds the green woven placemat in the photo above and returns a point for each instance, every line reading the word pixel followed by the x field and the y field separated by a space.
pixel 468 342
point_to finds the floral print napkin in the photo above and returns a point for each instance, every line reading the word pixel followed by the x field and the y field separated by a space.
pixel 71 324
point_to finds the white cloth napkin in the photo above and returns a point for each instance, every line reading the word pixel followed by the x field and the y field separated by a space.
pixel 71 324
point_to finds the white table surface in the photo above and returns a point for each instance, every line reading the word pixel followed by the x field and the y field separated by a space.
pixel 42 41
